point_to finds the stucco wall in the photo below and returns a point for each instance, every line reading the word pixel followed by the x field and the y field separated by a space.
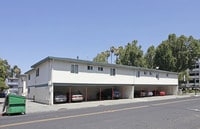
pixel 163 79
pixel 42 95
pixel 62 74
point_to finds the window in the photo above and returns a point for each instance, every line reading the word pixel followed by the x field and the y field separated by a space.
pixel 100 68
pixel 74 68
pixel 157 75
pixel 138 74
pixel 112 72
pixel 197 65
pixel 90 67
pixel 37 72
pixel 28 90
pixel 29 77
pixel 145 72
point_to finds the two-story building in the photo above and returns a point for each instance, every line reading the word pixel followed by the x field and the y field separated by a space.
pixel 54 74
pixel 12 82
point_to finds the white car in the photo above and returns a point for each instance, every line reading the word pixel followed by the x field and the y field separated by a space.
pixel 76 96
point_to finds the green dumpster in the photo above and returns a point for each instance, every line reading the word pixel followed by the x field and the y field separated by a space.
pixel 14 104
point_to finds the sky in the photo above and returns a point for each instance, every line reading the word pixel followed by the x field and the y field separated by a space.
pixel 31 30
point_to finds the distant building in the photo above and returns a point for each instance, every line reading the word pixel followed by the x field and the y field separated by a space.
pixel 12 82
pixel 194 76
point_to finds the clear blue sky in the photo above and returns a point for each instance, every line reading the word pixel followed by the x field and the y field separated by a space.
pixel 31 30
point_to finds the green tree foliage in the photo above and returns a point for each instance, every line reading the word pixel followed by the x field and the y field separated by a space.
pixel 149 57
pixel 16 71
pixel 177 53
pixel 174 54
pixel 193 50
pixel 102 57
pixel 163 57
pixel 4 68
pixel 131 54
pixel 7 71
pixel 183 77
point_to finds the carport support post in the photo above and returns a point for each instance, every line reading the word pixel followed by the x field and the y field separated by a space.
pixel 100 94
pixel 112 93
pixel 86 95
pixel 122 93
pixel 51 91
pixel 70 90
pixel 133 90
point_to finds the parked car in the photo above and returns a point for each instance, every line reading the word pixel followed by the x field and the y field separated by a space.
pixel 60 98
pixel 2 94
pixel 143 93
pixel 76 96
pixel 150 93
pixel 162 93
pixel 109 94
pixel 140 93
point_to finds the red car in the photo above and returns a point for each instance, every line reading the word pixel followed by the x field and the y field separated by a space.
pixel 162 93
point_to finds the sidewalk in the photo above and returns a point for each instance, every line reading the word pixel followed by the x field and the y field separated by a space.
pixel 32 107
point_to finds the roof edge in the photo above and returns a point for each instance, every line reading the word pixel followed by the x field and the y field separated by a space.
pixel 95 63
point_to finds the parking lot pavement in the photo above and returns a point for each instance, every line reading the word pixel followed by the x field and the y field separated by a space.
pixel 33 107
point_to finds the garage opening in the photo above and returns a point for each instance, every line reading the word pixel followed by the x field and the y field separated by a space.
pixel 148 91
pixel 70 94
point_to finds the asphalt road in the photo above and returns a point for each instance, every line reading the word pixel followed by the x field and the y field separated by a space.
pixel 166 114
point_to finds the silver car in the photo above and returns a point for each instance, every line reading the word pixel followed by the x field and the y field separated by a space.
pixel 60 98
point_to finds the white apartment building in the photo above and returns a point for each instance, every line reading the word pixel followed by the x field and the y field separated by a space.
pixel 55 74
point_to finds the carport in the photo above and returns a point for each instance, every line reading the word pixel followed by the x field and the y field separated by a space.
pixel 89 91
pixel 168 89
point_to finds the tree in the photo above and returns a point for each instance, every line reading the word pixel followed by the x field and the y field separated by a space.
pixel 4 72
pixel 132 55
pixel 118 52
pixel 183 77
pixel 174 54
pixel 193 51
pixel 149 57
pixel 16 71
pixel 102 57
pixel 4 69
pixel 163 57
pixel 177 53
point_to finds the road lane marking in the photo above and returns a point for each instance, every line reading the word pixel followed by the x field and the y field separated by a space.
pixel 91 114
pixel 195 109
